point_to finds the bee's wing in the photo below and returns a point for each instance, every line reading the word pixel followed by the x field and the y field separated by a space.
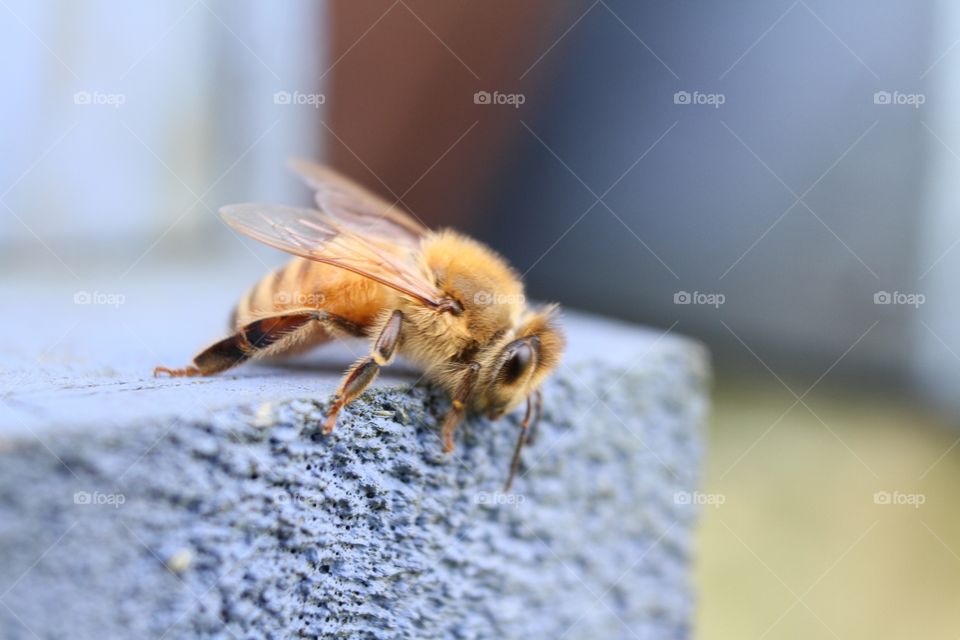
pixel 380 253
pixel 344 198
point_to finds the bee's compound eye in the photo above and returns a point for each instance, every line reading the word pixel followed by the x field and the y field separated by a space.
pixel 517 363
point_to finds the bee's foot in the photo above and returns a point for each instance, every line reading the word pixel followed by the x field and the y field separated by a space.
pixel 185 372
pixel 331 422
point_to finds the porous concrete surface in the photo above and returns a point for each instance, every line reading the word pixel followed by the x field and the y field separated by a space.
pixel 214 508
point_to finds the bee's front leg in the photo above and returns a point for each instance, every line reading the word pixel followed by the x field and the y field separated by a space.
pixel 365 371
pixel 459 405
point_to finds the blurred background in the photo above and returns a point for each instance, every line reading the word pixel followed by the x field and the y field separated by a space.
pixel 776 179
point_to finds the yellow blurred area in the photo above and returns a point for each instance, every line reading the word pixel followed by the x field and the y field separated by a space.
pixel 803 546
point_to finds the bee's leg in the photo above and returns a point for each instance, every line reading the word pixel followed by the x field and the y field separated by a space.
pixel 255 339
pixel 365 371
pixel 537 410
pixel 218 357
pixel 522 439
pixel 458 406
pixel 184 372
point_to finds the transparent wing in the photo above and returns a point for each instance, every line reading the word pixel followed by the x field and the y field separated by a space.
pixel 365 249
pixel 355 206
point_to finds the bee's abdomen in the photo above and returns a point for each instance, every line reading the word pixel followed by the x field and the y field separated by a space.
pixel 306 284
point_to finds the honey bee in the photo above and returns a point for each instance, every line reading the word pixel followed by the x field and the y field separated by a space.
pixel 364 268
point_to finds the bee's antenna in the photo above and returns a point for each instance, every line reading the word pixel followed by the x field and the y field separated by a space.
pixel 537 411
pixel 515 462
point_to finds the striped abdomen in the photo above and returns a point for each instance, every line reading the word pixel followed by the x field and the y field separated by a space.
pixel 305 284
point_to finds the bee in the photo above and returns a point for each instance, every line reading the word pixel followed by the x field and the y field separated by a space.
pixel 363 268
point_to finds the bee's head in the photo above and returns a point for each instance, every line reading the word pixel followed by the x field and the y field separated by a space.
pixel 516 365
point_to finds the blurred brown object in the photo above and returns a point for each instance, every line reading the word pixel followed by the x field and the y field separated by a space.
pixel 402 85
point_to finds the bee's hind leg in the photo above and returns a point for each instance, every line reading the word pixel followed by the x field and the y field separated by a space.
pixel 220 356
pixel 365 370
pixel 259 338
pixel 185 372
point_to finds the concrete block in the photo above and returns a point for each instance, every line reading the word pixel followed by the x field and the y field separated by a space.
pixel 139 508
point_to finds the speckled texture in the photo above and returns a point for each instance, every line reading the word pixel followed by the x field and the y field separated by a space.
pixel 248 523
